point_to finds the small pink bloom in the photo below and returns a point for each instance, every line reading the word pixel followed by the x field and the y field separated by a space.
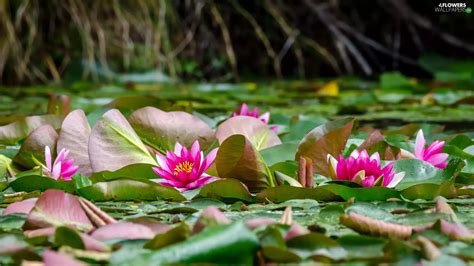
pixel 62 167
pixel 265 118
pixel 364 170
pixel 185 169
pixel 432 154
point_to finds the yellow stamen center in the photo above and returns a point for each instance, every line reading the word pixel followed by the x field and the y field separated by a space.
pixel 183 167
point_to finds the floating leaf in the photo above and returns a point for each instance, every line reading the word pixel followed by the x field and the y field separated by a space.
pixel 259 134
pixel 133 171
pixel 123 189
pixel 329 138
pixel 178 234
pixel 74 136
pixel 361 193
pixel 31 183
pixel 55 258
pixel 210 216
pixel 430 191
pixel 59 105
pixel 162 130
pixel 284 193
pixel 279 153
pixel 123 230
pixel 222 244
pixel 237 158
pixel 227 190
pixel 65 236
pixel 418 172
pixel 114 144
pixel 455 231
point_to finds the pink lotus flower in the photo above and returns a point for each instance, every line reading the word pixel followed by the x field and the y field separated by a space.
pixel 265 118
pixel 62 168
pixel 364 170
pixel 432 154
pixel 185 169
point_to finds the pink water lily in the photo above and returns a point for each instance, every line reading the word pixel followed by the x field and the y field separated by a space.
pixel 364 170
pixel 265 117
pixel 62 168
pixel 432 154
pixel 185 169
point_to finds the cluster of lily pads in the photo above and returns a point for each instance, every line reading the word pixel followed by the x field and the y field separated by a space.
pixel 153 155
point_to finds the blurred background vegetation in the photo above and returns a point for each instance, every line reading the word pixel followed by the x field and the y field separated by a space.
pixel 220 41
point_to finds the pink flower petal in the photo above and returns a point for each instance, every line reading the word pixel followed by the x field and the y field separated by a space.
pixel 368 181
pixel 438 159
pixel 195 150
pixel 161 159
pixel 47 156
pixel 433 148
pixel 376 157
pixel 419 145
pixel 244 109
pixel 265 117
pixel 177 148
pixel 56 173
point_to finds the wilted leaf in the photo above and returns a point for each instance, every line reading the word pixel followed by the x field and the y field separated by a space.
pixel 113 144
pixel 259 134
pixel 366 225
pixel 237 158
pixel 74 136
pixel 162 130
pixel 455 231
pixel 329 138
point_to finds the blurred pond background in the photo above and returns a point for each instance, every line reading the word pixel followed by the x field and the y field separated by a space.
pixel 387 60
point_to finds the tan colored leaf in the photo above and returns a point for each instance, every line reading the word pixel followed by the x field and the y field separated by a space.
pixel 367 225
